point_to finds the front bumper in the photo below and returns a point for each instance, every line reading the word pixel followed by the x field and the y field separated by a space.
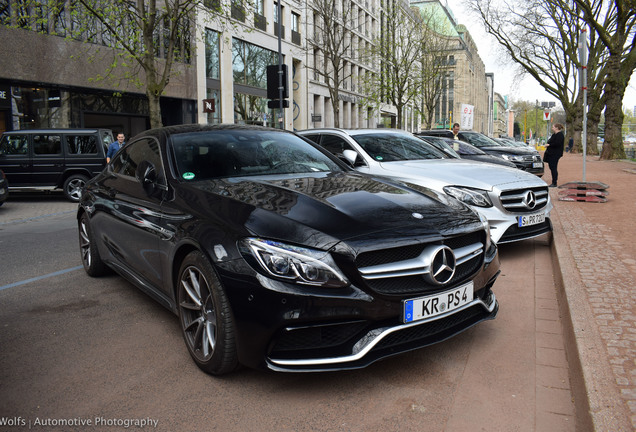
pixel 282 327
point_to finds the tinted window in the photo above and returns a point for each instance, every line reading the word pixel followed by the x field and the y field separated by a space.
pixel 127 160
pixel 467 149
pixel 81 144
pixel 14 145
pixel 478 140
pixel 335 144
pixel 231 153
pixel 394 147
pixel 47 144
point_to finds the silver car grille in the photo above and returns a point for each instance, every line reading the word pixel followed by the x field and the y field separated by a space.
pixel 525 200
pixel 418 269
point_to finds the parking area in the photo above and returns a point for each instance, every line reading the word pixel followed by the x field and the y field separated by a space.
pixel 99 350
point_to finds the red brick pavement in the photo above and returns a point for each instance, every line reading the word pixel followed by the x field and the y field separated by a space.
pixel 595 246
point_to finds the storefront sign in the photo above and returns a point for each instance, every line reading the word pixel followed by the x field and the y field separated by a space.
pixel 5 97
pixel 208 106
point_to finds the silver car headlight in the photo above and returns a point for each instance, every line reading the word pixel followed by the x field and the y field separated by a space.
pixel 476 197
pixel 512 158
pixel 294 263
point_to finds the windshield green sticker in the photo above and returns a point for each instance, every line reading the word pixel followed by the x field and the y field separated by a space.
pixel 379 158
pixel 188 176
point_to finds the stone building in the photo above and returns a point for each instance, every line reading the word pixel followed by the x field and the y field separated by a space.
pixel 47 80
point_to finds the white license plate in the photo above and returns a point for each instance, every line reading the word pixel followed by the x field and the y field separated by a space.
pixel 537 164
pixel 528 220
pixel 433 305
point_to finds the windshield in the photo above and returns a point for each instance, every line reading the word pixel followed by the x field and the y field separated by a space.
pixel 397 147
pixel 238 153
pixel 479 140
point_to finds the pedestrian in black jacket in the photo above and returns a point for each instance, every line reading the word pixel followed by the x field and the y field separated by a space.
pixel 554 151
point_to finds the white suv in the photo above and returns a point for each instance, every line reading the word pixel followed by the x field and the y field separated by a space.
pixel 516 203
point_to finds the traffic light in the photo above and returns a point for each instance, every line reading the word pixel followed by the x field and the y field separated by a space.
pixel 272 82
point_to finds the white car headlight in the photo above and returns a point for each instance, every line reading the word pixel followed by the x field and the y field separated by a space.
pixel 294 263
pixel 469 196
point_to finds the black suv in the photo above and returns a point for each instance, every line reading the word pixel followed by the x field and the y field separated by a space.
pixel 526 159
pixel 44 159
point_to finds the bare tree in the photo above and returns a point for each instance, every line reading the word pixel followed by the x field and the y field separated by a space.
pixel 398 49
pixel 542 39
pixel 331 40
pixel 436 61
pixel 614 23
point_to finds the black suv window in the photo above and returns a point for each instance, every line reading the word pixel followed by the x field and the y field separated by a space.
pixel 14 145
pixel 81 144
pixel 47 144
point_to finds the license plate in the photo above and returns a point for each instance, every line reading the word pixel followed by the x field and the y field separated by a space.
pixel 528 220
pixel 537 164
pixel 433 305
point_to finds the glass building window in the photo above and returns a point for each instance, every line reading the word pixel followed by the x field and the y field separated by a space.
pixel 212 57
pixel 249 63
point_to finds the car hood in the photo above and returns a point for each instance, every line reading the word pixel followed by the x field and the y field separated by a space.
pixel 489 159
pixel 458 172
pixel 510 150
pixel 320 210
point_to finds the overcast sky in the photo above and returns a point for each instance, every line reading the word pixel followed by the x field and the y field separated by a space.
pixel 528 89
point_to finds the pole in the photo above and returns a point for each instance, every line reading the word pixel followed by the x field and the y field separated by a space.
pixel 536 122
pixel 583 60
pixel 280 65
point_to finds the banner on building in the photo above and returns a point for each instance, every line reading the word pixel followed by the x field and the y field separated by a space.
pixel 467 116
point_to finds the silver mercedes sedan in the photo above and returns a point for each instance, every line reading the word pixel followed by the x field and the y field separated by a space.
pixel 516 203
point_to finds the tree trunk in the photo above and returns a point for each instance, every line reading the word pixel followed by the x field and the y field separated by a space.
pixel 574 124
pixel 155 109
pixel 614 92
pixel 593 119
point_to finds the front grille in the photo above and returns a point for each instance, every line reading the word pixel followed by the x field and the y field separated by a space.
pixel 514 233
pixel 390 283
pixel 412 285
pixel 412 334
pixel 516 201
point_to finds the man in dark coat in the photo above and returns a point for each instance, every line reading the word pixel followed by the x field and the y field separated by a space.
pixel 554 151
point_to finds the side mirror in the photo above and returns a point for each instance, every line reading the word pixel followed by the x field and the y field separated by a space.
pixel 351 156
pixel 147 175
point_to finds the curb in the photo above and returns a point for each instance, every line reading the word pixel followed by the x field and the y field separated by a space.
pixel 598 404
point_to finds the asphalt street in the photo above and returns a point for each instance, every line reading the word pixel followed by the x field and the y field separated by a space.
pixel 81 353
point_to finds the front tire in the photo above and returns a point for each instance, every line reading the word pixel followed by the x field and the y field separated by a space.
pixel 73 187
pixel 206 318
pixel 92 262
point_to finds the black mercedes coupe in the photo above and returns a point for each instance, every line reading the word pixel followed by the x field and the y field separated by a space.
pixel 275 254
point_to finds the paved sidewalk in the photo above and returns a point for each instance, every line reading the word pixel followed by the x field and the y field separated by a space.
pixel 595 250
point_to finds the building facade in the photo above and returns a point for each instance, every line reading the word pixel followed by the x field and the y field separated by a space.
pixel 223 79
pixel 50 78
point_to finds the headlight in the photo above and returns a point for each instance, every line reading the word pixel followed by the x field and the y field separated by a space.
pixel 469 196
pixel 484 222
pixel 294 263
pixel 512 158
